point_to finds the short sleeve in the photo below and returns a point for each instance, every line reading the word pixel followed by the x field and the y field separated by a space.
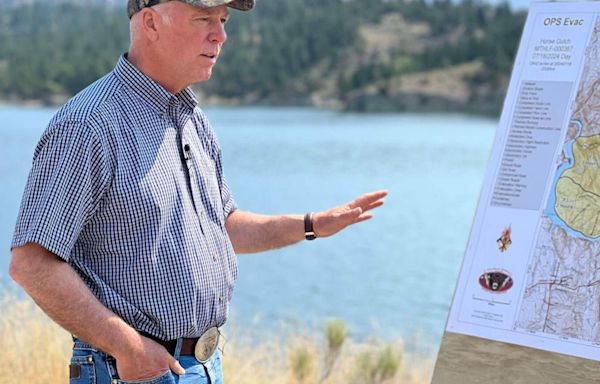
pixel 207 133
pixel 229 204
pixel 68 178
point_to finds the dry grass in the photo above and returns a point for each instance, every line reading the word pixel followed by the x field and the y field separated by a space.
pixel 32 348
pixel 35 350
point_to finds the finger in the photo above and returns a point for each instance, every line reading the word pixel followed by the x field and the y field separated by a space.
pixel 364 217
pixel 374 205
pixel 368 198
pixel 176 367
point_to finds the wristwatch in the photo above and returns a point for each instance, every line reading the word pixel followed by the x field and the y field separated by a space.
pixel 309 232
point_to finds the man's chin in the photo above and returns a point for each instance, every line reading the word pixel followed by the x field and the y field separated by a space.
pixel 204 76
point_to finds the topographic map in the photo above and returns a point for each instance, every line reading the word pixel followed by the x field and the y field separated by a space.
pixel 562 294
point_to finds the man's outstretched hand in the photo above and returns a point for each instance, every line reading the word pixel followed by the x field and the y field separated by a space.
pixel 332 221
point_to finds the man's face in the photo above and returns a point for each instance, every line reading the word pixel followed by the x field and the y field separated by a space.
pixel 191 40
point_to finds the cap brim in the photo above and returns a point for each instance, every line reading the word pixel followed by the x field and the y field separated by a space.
pixel 242 5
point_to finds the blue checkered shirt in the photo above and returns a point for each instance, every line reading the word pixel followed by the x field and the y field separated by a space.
pixel 127 187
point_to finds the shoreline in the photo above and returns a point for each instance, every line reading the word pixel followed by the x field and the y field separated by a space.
pixel 226 103
pixel 412 102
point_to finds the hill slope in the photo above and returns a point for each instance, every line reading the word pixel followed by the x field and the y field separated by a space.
pixel 349 54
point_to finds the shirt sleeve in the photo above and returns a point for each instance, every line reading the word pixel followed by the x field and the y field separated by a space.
pixel 68 178
pixel 229 204
pixel 227 199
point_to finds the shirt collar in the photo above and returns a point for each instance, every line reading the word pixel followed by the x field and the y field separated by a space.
pixel 152 93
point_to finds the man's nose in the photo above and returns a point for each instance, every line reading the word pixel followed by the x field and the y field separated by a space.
pixel 218 34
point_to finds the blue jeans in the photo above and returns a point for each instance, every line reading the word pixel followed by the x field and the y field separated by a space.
pixel 90 366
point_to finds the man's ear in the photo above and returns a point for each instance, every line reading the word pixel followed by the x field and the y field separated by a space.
pixel 149 18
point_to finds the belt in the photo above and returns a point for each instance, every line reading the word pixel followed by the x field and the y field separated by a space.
pixel 201 347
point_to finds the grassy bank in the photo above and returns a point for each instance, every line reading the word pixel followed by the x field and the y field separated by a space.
pixel 35 350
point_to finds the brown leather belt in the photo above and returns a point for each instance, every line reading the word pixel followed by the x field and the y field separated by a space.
pixel 201 347
pixel 187 345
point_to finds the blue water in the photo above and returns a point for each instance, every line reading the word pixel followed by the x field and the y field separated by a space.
pixel 392 277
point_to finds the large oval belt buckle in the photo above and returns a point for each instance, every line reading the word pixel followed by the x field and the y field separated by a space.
pixel 207 344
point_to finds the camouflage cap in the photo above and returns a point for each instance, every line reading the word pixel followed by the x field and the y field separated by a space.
pixel 134 6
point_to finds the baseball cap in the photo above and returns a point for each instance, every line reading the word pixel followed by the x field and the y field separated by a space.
pixel 134 6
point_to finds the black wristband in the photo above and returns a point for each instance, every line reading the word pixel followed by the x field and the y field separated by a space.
pixel 309 232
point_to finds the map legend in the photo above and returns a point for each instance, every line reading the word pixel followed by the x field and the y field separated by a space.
pixel 531 144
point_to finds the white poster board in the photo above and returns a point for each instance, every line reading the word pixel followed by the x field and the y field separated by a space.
pixel 531 272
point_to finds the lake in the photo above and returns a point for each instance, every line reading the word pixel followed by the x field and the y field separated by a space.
pixel 391 277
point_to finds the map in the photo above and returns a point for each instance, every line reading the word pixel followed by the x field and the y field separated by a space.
pixel 531 271
pixel 562 294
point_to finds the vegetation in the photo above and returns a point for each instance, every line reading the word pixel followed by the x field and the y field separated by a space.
pixel 48 49
pixel 36 350
pixel 342 53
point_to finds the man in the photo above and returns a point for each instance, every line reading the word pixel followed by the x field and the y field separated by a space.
pixel 127 230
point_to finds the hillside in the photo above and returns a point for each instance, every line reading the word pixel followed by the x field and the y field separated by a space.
pixel 381 55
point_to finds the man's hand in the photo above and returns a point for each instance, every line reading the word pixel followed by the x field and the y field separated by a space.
pixel 250 232
pixel 332 221
pixel 147 360
pixel 60 292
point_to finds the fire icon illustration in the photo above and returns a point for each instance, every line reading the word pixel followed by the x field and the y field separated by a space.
pixel 496 281
pixel 504 241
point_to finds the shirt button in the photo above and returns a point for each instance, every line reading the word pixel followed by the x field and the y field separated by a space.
pixel 220 299
pixel 115 381
pixel 214 258
pixel 90 359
